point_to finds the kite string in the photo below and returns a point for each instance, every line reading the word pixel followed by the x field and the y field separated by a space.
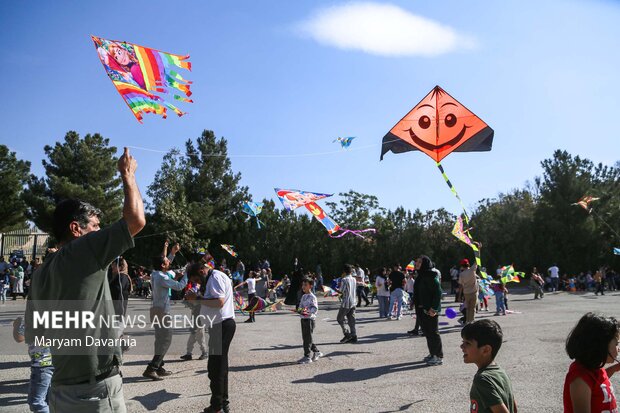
pixel 473 245
pixel 295 155
pixel 604 222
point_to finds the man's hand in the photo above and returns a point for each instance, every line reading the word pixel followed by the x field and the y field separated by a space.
pixel 431 312
pixel 127 165
pixel 133 208
pixel 175 248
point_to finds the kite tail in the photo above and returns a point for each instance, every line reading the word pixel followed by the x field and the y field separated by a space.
pixel 473 245
pixel 356 232
pixel 456 194
pixel 258 222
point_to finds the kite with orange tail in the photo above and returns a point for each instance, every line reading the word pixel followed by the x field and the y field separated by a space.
pixel 141 75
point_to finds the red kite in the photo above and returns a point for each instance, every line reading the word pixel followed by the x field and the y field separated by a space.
pixel 437 126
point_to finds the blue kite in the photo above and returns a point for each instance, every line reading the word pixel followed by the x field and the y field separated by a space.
pixel 253 209
pixel 344 142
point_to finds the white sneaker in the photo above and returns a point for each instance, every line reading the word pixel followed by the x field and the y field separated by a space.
pixel 317 355
pixel 305 360
pixel 400 317
pixel 435 361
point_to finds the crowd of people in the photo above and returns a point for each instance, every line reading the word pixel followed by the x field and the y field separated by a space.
pixel 87 270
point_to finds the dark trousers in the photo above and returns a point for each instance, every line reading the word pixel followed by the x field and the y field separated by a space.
pixel 361 295
pixel 419 312
pixel 163 338
pixel 430 327
pixel 220 336
pixel 600 288
pixel 307 327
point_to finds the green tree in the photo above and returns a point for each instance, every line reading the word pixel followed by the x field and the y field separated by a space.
pixel 196 199
pixel 13 175
pixel 83 168
pixel 566 234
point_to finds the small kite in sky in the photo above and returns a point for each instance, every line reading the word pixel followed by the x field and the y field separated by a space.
pixel 141 75
pixel 253 209
pixel 293 199
pixel 584 202
pixel 616 251
pixel 459 232
pixel 410 266
pixel 229 249
pixel 344 142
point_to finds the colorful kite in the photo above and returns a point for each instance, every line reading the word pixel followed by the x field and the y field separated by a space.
pixel 410 266
pixel 293 199
pixel 459 232
pixel 344 142
pixel 616 251
pixel 510 275
pixel 257 304
pixel 139 72
pixel 229 249
pixel 462 235
pixel 239 302
pixel 584 202
pixel 253 209
pixel 329 292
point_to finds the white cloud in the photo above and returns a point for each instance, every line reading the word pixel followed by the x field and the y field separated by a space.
pixel 382 29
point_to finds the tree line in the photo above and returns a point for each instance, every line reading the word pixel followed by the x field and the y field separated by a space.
pixel 195 199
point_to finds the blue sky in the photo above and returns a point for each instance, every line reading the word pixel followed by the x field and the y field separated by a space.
pixel 543 75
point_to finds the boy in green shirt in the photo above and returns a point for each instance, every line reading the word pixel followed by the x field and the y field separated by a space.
pixel 491 390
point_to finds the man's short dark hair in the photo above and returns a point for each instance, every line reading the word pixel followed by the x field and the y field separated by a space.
pixel 70 210
pixel 306 280
pixel 347 269
pixel 588 342
pixel 485 332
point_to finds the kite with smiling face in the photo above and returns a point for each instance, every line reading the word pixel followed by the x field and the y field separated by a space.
pixel 438 126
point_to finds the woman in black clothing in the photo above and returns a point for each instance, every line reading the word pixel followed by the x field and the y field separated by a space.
pixel 427 299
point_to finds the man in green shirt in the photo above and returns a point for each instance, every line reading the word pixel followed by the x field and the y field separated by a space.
pixel 74 278
pixel 491 391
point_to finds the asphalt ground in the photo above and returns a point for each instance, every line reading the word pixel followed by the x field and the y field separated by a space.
pixel 383 372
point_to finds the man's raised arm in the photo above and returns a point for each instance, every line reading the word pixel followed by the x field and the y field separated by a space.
pixel 133 208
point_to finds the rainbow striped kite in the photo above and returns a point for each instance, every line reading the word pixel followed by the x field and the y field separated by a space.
pixel 410 266
pixel 139 72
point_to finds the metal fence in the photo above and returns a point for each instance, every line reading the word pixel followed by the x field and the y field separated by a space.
pixel 30 243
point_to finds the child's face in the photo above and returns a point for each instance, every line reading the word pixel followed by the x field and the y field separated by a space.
pixel 474 354
pixel 612 355
pixel 305 287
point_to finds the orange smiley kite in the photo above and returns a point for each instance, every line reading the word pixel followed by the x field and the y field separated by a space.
pixel 437 126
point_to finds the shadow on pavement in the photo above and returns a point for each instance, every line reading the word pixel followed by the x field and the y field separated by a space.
pixel 13 387
pixel 403 408
pixel 352 375
pixel 152 400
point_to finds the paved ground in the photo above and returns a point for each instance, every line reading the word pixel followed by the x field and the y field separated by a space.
pixel 381 373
